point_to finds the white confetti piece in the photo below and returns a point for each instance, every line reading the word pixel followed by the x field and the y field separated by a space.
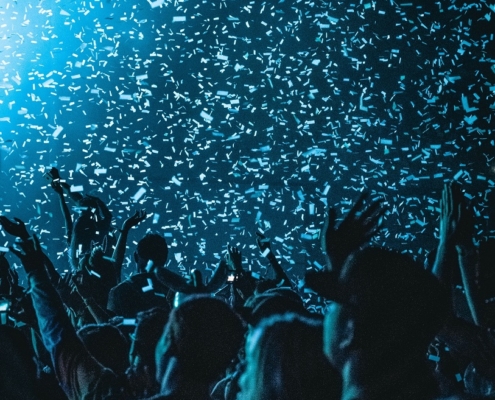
pixel 94 273
pixel 140 193
pixel 77 188
pixel 206 116
pixel 149 287
pixel 57 131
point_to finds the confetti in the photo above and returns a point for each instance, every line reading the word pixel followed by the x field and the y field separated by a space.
pixel 140 193
pixel 57 131
pixel 149 287
pixel 233 116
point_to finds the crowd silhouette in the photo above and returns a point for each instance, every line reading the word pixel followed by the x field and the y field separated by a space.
pixel 393 328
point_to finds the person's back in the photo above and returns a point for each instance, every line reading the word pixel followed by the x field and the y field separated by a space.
pixel 141 373
pixel 143 291
pixel 138 293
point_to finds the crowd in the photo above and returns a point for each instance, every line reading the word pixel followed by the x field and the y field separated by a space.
pixel 392 329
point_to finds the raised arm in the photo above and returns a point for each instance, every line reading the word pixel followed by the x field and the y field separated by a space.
pixel 450 213
pixel 57 187
pixel 244 282
pixel 119 252
pixel 468 260
pixel 78 373
pixel 234 259
pixel 54 176
pixel 266 250
pixel 218 278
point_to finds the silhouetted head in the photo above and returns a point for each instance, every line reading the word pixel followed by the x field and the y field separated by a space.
pixel 203 335
pixel 149 328
pixel 384 304
pixel 152 247
pixel 97 208
pixel 272 302
pixel 97 272
pixel 285 360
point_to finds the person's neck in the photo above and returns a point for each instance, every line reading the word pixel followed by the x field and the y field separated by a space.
pixel 367 380
pixel 176 383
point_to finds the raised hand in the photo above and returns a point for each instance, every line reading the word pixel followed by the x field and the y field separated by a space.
pixel 17 228
pixel 134 220
pixel 358 227
pixel 456 226
pixel 266 249
pixel 263 243
pixel 54 173
pixel 30 254
pixel 57 187
pixel 119 251
pixel 456 217
pixel 218 278
pixel 234 258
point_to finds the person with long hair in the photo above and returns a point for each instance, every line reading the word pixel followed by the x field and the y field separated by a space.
pixel 285 361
